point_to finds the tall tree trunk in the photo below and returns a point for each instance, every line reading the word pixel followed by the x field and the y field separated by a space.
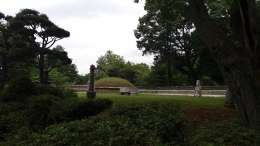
pixel 192 75
pixel 4 72
pixel 46 76
pixel 41 68
pixel 169 72
pixel 240 67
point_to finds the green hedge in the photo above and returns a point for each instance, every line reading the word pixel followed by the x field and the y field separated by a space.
pixel 233 133
pixel 39 112
pixel 140 125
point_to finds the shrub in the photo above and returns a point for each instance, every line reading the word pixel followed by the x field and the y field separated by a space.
pixel 11 122
pixel 227 133
pixel 11 117
pixel 168 124
pixel 38 111
pixel 57 91
pixel 22 86
pixel 6 96
pixel 75 109
pixel 18 90
pixel 207 81
pixel 69 93
pixel 151 126
pixel 49 89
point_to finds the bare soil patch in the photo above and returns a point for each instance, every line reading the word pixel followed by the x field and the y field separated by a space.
pixel 204 116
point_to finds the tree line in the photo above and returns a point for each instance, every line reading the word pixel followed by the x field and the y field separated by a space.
pixel 230 29
pixel 156 74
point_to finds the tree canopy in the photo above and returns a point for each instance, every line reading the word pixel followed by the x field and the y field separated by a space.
pixel 237 55
pixel 38 34
pixel 26 42
pixel 113 65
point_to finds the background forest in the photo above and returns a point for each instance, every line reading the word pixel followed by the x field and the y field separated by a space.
pixel 27 48
pixel 190 40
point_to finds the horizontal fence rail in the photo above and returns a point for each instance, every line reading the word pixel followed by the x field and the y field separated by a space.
pixel 221 87
pixel 206 90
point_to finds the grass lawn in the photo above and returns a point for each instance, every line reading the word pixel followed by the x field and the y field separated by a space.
pixel 174 100
pixel 200 111
pixel 206 110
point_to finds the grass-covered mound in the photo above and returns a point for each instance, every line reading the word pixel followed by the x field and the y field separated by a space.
pixel 113 82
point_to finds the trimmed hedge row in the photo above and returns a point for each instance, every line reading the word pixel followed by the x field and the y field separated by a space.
pixel 133 125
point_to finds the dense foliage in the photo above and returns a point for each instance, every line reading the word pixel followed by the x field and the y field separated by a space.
pixel 113 65
pixel 230 29
pixel 33 107
pixel 25 47
pixel 130 125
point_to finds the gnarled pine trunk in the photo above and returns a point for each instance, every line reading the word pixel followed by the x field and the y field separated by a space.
pixel 240 67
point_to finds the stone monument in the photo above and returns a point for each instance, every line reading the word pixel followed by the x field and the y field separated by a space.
pixel 229 102
pixel 197 89
pixel 91 93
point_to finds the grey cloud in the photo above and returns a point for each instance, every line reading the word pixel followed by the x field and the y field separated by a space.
pixel 86 9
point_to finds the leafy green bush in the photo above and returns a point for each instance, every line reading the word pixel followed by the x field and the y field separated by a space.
pixel 57 91
pixel 18 90
pixel 6 96
pixel 48 89
pixel 22 86
pixel 227 133
pixel 11 122
pixel 11 118
pixel 140 125
pixel 75 109
pixel 38 111
pixel 168 124
pixel 207 81
pixel 69 93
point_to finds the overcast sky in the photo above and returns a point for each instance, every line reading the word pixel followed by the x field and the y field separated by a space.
pixel 95 26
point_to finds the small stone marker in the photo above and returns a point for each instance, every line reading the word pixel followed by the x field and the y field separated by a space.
pixel 197 89
pixel 229 102
pixel 128 90
pixel 91 93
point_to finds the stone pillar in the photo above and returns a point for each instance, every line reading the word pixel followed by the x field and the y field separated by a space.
pixel 91 93
pixel 197 89
pixel 229 102
pixel 88 85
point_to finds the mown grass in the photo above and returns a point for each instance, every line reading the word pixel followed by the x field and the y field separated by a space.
pixel 113 82
pixel 172 100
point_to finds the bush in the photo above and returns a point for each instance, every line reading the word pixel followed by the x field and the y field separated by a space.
pixel 49 89
pixel 11 122
pixel 6 96
pixel 227 133
pixel 139 125
pixel 207 81
pixel 75 109
pixel 11 118
pixel 69 93
pixel 18 90
pixel 22 86
pixel 38 111
pixel 168 124
pixel 58 91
